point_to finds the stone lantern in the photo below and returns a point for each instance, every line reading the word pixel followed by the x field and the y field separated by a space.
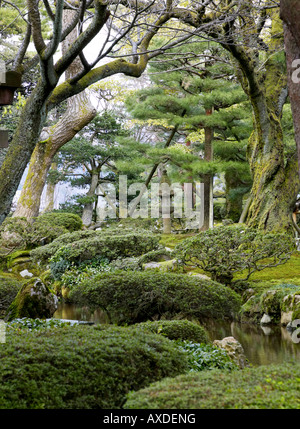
pixel 12 81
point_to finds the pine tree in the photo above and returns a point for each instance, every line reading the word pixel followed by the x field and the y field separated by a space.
pixel 212 116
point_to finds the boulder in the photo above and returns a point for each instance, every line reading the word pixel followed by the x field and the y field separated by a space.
pixel 34 300
pixel 266 319
pixel 234 350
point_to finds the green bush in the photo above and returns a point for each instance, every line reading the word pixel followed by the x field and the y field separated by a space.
pixel 82 367
pixel 139 296
pixel 266 387
pixel 225 250
pixel 176 330
pixel 206 356
pixel 70 221
pixel 9 288
pixel 91 244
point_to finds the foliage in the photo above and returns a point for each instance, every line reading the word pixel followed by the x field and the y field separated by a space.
pixel 267 387
pixel 206 356
pixel 132 297
pixel 19 232
pixel 9 288
pixel 91 244
pixel 82 366
pixel 70 221
pixel 35 324
pixel 225 250
pixel 175 330
pixel 70 274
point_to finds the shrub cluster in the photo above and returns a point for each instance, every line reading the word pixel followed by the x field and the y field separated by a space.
pixel 133 297
pixel 82 366
pixel 268 387
pixel 175 330
pixel 18 232
pixel 225 250
pixel 90 244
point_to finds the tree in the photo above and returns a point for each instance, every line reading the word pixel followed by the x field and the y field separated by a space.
pixel 48 92
pixel 290 13
pixel 210 110
pixel 84 158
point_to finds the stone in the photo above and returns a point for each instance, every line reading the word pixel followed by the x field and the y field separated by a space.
pixel 201 276
pixel 265 320
pixel 286 317
pixel 151 265
pixel 26 273
pixel 234 349
pixel 34 300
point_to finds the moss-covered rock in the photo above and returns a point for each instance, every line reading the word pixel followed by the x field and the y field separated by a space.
pixel 175 330
pixel 34 300
pixel 263 387
pixel 9 288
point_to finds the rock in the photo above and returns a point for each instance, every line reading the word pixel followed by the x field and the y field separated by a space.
pixel 26 273
pixel 234 350
pixel 286 317
pixel 151 265
pixel 265 320
pixel 34 300
pixel 201 276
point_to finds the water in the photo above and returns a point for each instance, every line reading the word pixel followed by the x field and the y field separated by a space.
pixel 262 345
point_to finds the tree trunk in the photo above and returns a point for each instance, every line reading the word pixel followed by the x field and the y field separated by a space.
pixel 290 14
pixel 208 179
pixel 88 209
pixel 79 113
pixel 49 200
pixel 20 149
pixel 234 202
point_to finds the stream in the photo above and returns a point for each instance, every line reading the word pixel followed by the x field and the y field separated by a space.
pixel 263 345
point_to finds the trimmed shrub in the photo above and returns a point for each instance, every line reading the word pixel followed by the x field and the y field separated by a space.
pixel 80 247
pixel 226 250
pixel 133 297
pixel 70 221
pixel 9 288
pixel 267 387
pixel 176 330
pixel 82 367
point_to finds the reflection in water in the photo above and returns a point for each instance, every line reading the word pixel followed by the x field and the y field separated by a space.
pixel 72 312
pixel 263 345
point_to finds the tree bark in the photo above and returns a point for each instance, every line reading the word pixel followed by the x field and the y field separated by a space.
pixel 79 113
pixel 208 178
pixel 290 14
pixel 87 214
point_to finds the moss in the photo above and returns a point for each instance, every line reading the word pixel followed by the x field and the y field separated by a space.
pixel 34 300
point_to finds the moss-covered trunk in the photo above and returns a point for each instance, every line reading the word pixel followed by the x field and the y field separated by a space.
pixel 20 149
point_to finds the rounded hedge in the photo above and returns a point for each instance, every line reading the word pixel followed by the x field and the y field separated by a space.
pixel 72 222
pixel 9 288
pixel 84 245
pixel 267 387
pixel 133 297
pixel 176 330
pixel 82 366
